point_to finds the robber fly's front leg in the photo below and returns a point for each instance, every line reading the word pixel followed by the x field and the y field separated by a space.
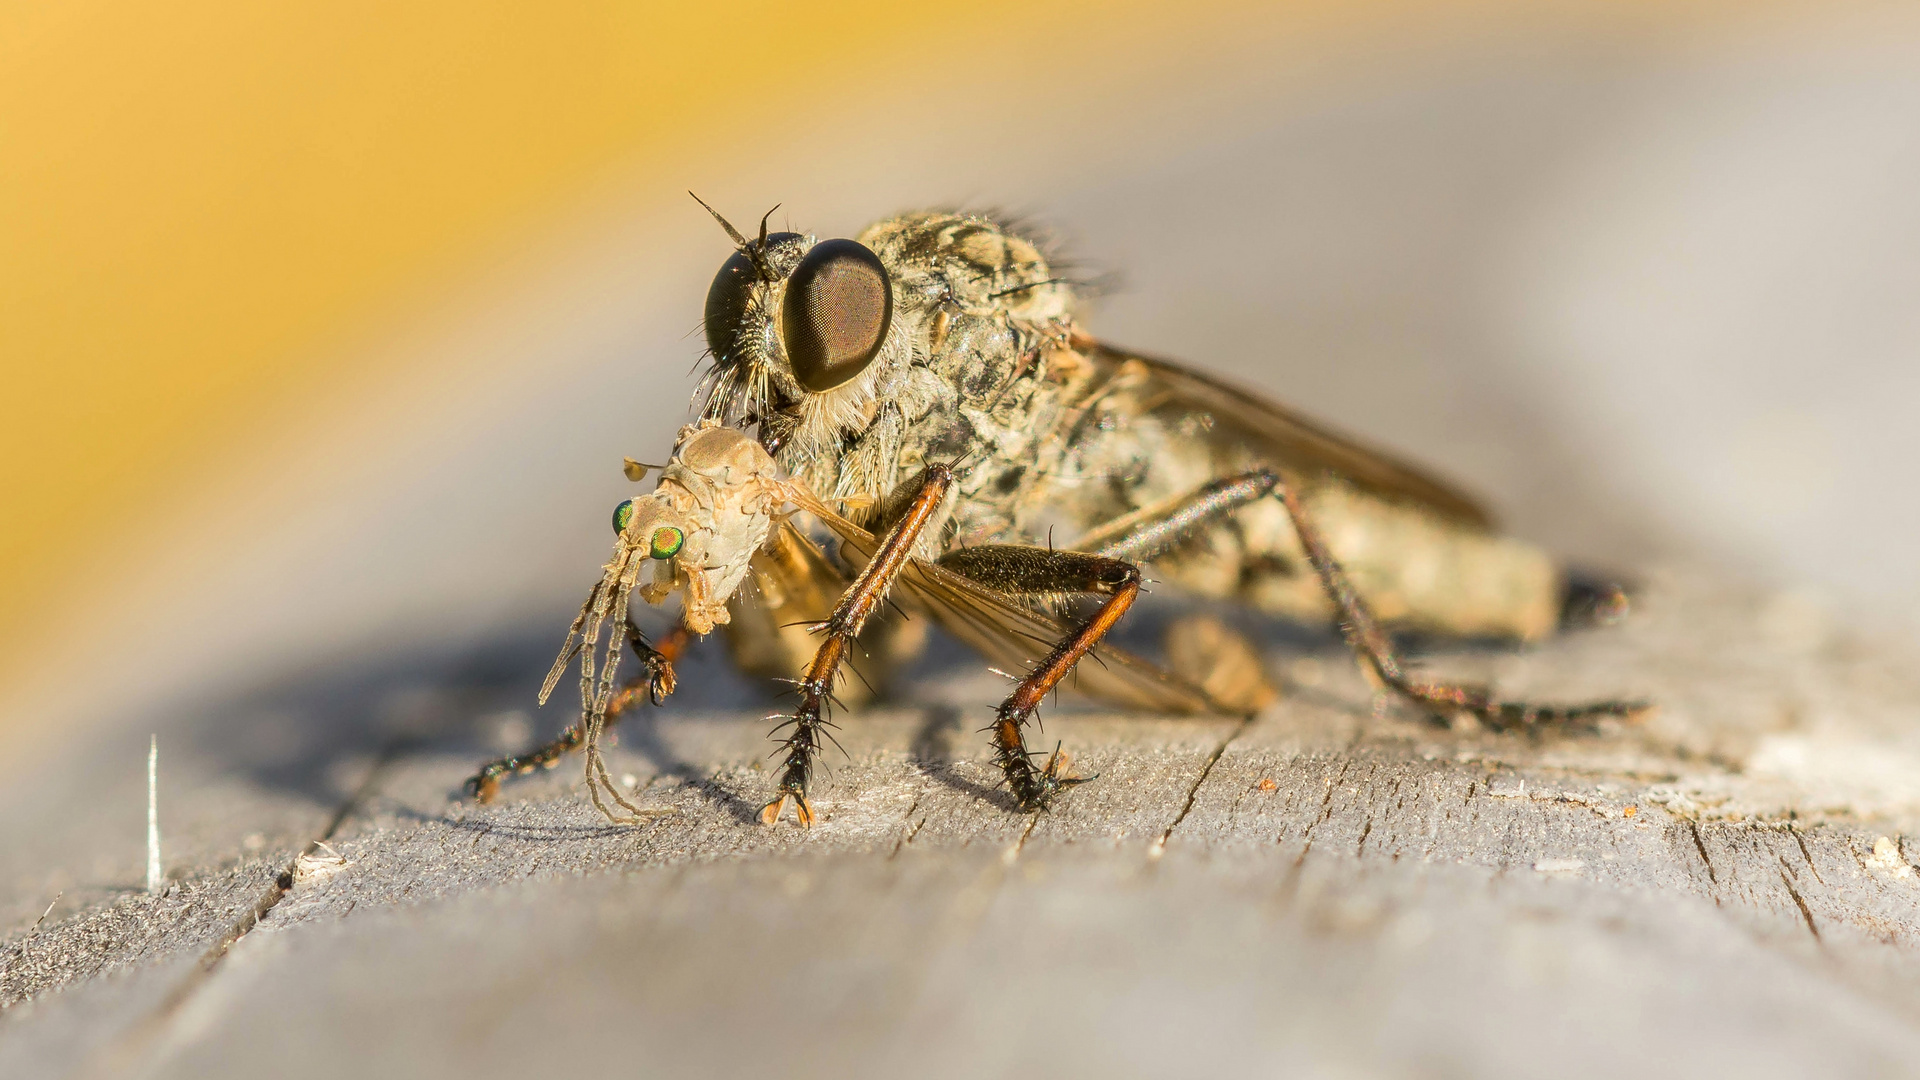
pixel 654 683
pixel 862 598
pixel 1041 572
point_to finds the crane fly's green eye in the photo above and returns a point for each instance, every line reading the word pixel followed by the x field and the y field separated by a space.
pixel 667 541
pixel 621 515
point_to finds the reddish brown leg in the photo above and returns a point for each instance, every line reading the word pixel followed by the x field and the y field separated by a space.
pixel 809 724
pixel 654 684
pixel 1031 571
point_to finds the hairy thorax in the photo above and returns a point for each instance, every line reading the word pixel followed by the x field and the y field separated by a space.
pixel 982 372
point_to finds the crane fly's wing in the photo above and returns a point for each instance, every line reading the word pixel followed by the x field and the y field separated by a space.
pixel 795 578
pixel 1015 637
pixel 790 585
pixel 1281 436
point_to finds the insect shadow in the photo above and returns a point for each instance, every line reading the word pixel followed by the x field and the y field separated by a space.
pixel 644 739
pixel 933 750
pixel 307 732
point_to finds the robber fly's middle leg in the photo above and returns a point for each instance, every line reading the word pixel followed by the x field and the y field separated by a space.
pixel 808 725
pixel 1109 569
pixel 1042 572
pixel 654 683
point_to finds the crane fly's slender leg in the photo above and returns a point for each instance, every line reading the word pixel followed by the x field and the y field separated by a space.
pixel 1371 644
pixel 808 722
pixel 1031 571
pixel 654 683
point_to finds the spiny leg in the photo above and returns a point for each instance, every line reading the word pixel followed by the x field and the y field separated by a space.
pixel 1148 533
pixel 1371 644
pixel 1108 571
pixel 655 682
pixel 808 722
pixel 1200 649
pixel 1039 572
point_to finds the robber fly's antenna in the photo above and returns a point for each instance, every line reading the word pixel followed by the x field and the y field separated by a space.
pixel 763 225
pixel 738 240
pixel 753 251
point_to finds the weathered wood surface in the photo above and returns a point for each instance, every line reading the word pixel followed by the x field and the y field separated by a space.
pixel 1330 889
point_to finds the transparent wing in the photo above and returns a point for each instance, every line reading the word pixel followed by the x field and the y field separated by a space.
pixel 1283 437
pixel 1015 637
pixel 791 585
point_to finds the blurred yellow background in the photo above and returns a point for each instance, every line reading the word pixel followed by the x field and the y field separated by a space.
pixel 198 195
pixel 211 213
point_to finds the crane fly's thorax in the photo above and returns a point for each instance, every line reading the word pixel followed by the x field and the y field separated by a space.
pixel 720 493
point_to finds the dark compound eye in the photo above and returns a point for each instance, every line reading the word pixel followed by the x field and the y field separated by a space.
pixel 727 297
pixel 621 515
pixel 667 541
pixel 835 317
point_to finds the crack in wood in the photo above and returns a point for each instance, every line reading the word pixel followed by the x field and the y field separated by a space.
pixel 1699 845
pixel 1800 903
pixel 1193 792
pixel 120 1054
pixel 1012 854
pixel 912 832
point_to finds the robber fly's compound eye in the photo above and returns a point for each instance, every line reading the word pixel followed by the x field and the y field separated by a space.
pixel 667 541
pixel 727 302
pixel 727 297
pixel 621 515
pixel 835 317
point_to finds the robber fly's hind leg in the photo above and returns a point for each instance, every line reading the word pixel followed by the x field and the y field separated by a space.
pixel 655 681
pixel 808 724
pixel 1374 649
pixel 1032 571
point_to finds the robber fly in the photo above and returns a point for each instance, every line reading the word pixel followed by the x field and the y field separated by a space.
pixel 917 416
